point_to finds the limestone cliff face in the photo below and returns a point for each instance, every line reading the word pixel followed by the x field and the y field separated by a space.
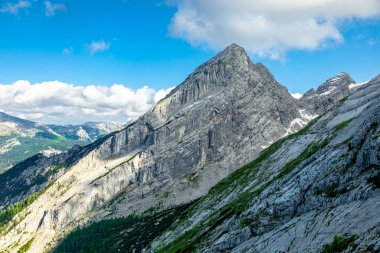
pixel 217 120
pixel 319 183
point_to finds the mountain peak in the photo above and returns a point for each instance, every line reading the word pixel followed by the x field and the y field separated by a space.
pixel 233 56
pixel 333 89
pixel 234 48
pixel 342 80
pixel 233 51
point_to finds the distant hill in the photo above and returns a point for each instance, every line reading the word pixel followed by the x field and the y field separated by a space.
pixel 21 139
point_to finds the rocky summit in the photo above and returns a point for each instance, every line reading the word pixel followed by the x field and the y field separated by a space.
pixel 187 153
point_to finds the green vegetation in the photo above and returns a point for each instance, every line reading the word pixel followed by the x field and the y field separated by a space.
pixel 340 244
pixel 343 99
pixel 30 146
pixel 253 221
pixel 311 150
pixel 193 178
pixel 129 234
pixel 249 222
pixel 26 246
pixel 10 211
pixel 55 169
pixel 341 126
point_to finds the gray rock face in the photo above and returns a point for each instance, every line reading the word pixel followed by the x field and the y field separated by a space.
pixel 217 120
pixel 330 92
pixel 325 181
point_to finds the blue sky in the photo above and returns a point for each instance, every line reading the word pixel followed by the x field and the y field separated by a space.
pixel 154 43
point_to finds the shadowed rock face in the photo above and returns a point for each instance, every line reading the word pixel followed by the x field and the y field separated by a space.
pixel 217 120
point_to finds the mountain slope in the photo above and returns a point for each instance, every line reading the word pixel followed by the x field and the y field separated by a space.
pixel 217 120
pixel 319 184
pixel 21 139
pixel 314 191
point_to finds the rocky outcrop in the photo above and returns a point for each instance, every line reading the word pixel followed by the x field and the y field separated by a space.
pixel 217 120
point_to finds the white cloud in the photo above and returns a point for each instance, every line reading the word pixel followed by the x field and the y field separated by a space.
pixel 14 8
pixel 98 46
pixel 161 94
pixel 61 103
pixel 267 27
pixel 51 9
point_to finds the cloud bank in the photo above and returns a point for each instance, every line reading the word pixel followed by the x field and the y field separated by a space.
pixel 267 28
pixel 61 103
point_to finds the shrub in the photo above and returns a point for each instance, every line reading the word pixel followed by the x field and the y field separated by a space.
pixel 339 244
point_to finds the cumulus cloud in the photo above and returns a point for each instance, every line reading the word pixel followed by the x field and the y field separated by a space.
pixel 62 103
pixel 267 27
pixel 14 8
pixel 51 9
pixel 98 46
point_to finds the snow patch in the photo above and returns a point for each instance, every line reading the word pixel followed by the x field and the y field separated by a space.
pixel 298 123
pixel 50 152
pixel 306 116
pixel 357 85
pixel 297 95
pixel 327 92
pixel 335 78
